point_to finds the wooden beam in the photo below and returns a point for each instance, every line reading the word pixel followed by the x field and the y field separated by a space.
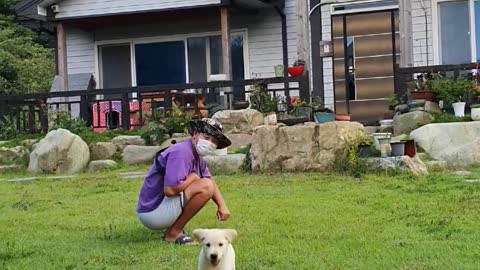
pixel 62 57
pixel 302 32
pixel 226 55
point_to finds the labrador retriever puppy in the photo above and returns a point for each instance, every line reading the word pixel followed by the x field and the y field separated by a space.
pixel 217 251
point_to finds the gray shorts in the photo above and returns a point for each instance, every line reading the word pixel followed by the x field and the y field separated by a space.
pixel 165 214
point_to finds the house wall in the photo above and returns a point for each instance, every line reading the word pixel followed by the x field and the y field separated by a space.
pixel 82 8
pixel 422 32
pixel 263 29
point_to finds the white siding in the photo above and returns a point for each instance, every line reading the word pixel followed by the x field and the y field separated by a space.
pixel 81 8
pixel 80 51
pixel 327 62
pixel 264 39
pixel 422 33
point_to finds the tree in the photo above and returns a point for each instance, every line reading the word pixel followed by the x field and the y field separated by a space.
pixel 25 65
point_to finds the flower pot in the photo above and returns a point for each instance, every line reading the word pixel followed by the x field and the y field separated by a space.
pixel 240 105
pixel 364 150
pixel 427 95
pixel 279 71
pixel 475 114
pixel 296 71
pixel 323 117
pixel 342 117
pixel 398 149
pixel 459 109
pixel 270 119
pixel 294 120
pixel 410 148
pixel 385 147
pixel 305 111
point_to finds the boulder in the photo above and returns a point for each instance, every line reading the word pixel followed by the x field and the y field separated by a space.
pixel 17 154
pixel 455 143
pixel 101 165
pixel 405 123
pixel 432 107
pixel 239 121
pixel 60 152
pixel 404 163
pixel 122 141
pixel 102 150
pixel 303 147
pixel 136 154
pixel 240 140
pixel 228 164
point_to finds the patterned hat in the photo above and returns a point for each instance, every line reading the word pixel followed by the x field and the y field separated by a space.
pixel 211 127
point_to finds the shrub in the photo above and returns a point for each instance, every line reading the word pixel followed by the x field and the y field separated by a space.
pixel 8 128
pixel 449 118
pixel 452 90
pixel 66 121
pixel 164 123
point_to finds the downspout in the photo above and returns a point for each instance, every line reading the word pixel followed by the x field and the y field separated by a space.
pixel 426 29
pixel 285 50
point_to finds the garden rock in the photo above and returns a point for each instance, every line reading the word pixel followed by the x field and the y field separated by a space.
pixel 60 152
pixel 228 164
pixel 28 143
pixel 455 143
pixel 239 121
pixel 122 141
pixel 432 107
pixel 404 163
pixel 405 123
pixel 302 148
pixel 17 155
pixel 240 140
pixel 136 154
pixel 102 150
pixel 101 165
pixel 402 108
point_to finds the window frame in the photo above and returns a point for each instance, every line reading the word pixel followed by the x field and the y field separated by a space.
pixel 144 40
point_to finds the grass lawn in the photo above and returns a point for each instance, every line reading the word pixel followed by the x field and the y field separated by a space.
pixel 298 221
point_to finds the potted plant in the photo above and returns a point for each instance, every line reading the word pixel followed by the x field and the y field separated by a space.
pixel 320 113
pixel 263 102
pixel 364 144
pixel 421 88
pixel 398 148
pixel 410 146
pixel 297 69
pixel 453 93
pixel 475 113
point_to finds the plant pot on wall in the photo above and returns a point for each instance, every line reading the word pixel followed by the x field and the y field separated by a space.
pixel 398 149
pixel 410 148
pixel 475 113
pixel 342 117
pixel 459 109
pixel 270 119
pixel 364 150
pixel 323 117
pixel 427 95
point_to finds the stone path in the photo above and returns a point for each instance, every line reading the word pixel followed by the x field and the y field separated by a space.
pixel 132 175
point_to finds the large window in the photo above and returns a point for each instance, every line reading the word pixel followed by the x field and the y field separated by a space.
pixel 191 59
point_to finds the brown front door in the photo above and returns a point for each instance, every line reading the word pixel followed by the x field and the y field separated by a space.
pixel 366 50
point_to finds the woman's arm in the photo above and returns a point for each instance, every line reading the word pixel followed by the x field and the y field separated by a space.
pixel 173 191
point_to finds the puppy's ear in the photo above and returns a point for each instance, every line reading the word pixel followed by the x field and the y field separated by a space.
pixel 230 234
pixel 199 234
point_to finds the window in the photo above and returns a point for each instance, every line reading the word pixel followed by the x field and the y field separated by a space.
pixel 454 36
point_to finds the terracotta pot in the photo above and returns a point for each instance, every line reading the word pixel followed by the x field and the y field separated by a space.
pixel 342 117
pixel 427 95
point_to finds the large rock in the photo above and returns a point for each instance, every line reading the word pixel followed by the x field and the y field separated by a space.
pixel 405 123
pixel 302 147
pixel 28 143
pixel 122 141
pixel 228 164
pixel 60 152
pixel 240 140
pixel 102 150
pixel 101 165
pixel 455 143
pixel 135 154
pixel 432 107
pixel 239 121
pixel 405 163
pixel 18 155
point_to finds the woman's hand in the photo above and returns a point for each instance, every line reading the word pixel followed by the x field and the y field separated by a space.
pixel 223 213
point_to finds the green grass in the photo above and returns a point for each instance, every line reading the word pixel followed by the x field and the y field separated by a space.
pixel 285 221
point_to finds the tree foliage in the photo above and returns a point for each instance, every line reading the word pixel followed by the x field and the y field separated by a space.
pixel 26 66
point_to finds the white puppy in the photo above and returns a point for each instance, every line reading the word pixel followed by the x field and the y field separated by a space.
pixel 217 251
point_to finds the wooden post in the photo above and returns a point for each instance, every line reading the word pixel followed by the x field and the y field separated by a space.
pixel 302 33
pixel 226 56
pixel 62 59
pixel 125 112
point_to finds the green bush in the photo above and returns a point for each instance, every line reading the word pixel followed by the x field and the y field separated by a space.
pixel 163 124
pixel 452 90
pixel 352 164
pixel 66 121
pixel 449 118
pixel 8 128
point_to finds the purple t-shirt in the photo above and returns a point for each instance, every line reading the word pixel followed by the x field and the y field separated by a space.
pixel 178 162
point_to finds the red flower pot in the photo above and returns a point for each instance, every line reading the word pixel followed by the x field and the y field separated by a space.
pixel 410 148
pixel 427 95
pixel 342 117
pixel 296 71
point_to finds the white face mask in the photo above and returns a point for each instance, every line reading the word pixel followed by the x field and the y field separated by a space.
pixel 205 148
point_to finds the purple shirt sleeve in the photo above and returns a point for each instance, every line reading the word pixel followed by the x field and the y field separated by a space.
pixel 204 168
pixel 177 168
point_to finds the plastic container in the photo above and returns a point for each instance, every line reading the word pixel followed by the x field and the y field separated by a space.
pixel 322 117
pixel 398 149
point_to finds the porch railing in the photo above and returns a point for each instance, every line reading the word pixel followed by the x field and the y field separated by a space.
pixel 31 111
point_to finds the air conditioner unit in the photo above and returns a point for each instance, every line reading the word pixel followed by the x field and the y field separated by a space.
pixel 55 8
